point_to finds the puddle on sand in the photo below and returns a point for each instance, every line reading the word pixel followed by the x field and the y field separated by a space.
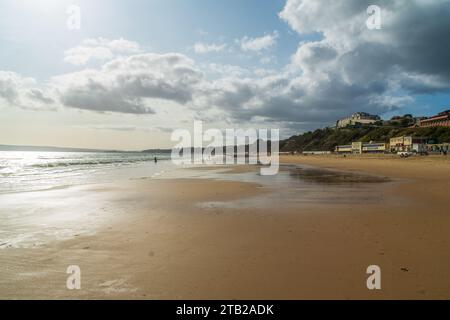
pixel 296 186
pixel 332 177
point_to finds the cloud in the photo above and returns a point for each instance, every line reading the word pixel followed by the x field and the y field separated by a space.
pixel 203 48
pixel 409 47
pixel 39 95
pixel 226 70
pixel 10 83
pixel 267 59
pixel 22 92
pixel 82 55
pixel 125 84
pixel 349 68
pixel 346 68
pixel 283 98
pixel 100 49
pixel 129 128
pixel 258 44
pixel 113 127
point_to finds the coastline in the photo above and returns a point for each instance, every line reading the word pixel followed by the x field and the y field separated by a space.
pixel 156 242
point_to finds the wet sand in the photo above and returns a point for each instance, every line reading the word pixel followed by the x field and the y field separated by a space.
pixel 208 237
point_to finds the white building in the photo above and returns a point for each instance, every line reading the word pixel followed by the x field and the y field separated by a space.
pixel 358 118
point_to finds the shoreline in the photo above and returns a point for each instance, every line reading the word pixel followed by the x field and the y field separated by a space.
pixel 157 243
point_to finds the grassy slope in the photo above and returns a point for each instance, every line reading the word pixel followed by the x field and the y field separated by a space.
pixel 327 139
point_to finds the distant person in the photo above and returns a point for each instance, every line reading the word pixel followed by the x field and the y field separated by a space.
pixel 156 160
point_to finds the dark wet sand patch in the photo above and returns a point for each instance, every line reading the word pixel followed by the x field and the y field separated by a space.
pixel 324 176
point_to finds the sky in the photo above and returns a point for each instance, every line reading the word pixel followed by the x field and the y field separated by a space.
pixel 114 74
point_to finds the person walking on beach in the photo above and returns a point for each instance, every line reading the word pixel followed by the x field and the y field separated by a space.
pixel 156 160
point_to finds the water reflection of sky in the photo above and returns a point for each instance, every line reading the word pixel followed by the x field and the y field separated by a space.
pixel 297 185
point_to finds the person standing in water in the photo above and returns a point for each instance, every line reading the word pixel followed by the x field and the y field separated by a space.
pixel 156 160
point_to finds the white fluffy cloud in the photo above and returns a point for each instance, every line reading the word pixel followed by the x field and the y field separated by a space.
pixel 203 48
pixel 258 44
pixel 22 92
pixel 124 84
pixel 101 50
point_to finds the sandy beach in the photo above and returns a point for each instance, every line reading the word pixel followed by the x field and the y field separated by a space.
pixel 223 233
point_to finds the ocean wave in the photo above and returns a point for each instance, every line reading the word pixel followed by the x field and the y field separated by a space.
pixel 90 162
pixel 82 163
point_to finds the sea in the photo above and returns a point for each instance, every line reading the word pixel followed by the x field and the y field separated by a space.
pixel 24 171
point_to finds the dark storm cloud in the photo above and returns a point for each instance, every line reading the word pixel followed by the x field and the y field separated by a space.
pixel 353 68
